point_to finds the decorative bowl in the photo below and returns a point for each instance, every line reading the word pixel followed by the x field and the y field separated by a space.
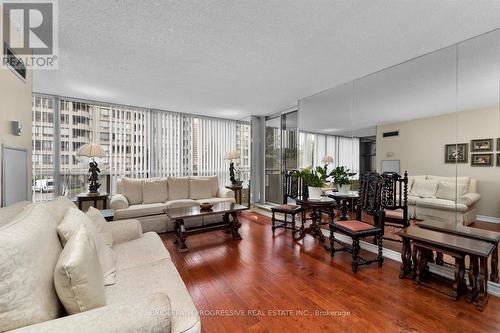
pixel 206 205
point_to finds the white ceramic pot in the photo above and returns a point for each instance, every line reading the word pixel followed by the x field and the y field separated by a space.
pixel 315 192
pixel 344 189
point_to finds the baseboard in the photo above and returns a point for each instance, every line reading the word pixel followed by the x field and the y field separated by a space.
pixel 490 219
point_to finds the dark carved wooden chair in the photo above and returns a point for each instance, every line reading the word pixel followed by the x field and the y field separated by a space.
pixel 370 191
pixel 292 189
pixel 395 201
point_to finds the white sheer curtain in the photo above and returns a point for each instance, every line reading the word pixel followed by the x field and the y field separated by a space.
pixel 215 138
pixel 347 153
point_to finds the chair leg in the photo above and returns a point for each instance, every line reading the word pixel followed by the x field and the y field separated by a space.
pixel 273 219
pixel 380 258
pixel 293 225
pixel 332 242
pixel 355 254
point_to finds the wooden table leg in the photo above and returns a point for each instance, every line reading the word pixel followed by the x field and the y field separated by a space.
pixel 180 232
pixel 405 258
pixel 417 259
pixel 494 265
pixel 459 277
pixel 473 271
pixel 235 225
pixel 439 259
pixel 344 208
pixel 482 298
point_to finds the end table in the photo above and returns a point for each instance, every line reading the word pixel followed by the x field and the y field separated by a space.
pixel 82 197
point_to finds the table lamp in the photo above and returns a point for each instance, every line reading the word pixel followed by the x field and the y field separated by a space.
pixel 231 156
pixel 326 160
pixel 92 151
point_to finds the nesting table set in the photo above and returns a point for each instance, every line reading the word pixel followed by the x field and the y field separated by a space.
pixel 420 242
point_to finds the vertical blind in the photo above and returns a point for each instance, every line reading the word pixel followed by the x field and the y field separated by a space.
pixel 312 148
pixel 215 138
pixel 139 143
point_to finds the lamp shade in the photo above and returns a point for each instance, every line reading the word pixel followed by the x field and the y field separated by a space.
pixel 327 159
pixel 91 150
pixel 232 155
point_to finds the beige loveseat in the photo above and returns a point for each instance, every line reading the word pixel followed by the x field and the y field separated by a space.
pixel 445 199
pixel 147 199
pixel 148 296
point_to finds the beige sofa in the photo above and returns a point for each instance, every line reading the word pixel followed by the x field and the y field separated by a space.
pixel 443 199
pixel 148 296
pixel 147 199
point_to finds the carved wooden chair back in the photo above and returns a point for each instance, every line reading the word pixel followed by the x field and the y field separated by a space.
pixel 370 193
pixel 293 186
pixel 395 193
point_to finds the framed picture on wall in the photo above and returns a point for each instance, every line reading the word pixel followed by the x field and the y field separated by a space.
pixel 456 153
pixel 498 159
pixel 498 144
pixel 482 145
pixel 482 160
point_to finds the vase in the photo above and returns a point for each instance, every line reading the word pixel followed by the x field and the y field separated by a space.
pixel 315 192
pixel 344 189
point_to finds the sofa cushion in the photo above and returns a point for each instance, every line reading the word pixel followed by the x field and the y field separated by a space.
pixel 29 252
pixel 8 214
pixel 140 211
pixel 154 191
pixel 178 188
pixel 59 206
pixel 145 250
pixel 441 204
pixel 78 277
pixel 200 188
pixel 214 183
pixel 160 276
pixel 181 203
pixel 424 188
pixel 450 191
pixel 71 224
pixel 132 190
pixel 460 180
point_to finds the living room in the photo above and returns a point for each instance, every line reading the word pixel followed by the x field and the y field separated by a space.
pixel 250 166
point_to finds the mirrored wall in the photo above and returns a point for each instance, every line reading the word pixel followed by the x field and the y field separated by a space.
pixel 436 116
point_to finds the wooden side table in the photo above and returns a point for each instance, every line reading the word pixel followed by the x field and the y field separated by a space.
pixel 237 192
pixel 82 197
pixel 108 214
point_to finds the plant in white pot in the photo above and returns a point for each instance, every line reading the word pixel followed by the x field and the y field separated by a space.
pixel 342 178
pixel 314 179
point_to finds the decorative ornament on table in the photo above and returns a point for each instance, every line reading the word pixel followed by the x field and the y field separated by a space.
pixel 92 150
pixel 231 156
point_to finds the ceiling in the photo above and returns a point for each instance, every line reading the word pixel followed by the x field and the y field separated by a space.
pixel 232 59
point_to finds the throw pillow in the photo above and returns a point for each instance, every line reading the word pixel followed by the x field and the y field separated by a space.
pixel 96 217
pixel 70 225
pixel 449 191
pixel 78 277
pixel 154 191
pixel 424 188
pixel 132 190
pixel 200 188
pixel 28 255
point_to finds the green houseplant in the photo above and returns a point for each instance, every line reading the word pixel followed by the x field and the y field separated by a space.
pixel 341 177
pixel 315 179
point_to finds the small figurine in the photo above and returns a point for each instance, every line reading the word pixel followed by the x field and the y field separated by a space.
pixel 94 177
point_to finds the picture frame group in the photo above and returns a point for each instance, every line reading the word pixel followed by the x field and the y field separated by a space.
pixel 481 149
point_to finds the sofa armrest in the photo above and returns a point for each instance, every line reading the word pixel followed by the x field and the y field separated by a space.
pixel 469 199
pixel 225 193
pixel 123 230
pixel 119 201
pixel 146 314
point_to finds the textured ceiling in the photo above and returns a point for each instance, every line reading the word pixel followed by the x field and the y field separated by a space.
pixel 236 58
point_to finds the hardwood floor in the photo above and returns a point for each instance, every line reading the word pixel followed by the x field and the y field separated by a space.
pixel 248 285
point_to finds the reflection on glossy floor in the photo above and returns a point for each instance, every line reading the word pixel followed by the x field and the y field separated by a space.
pixel 250 285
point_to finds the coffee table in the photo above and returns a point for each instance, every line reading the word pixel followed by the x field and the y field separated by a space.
pixel 229 221
pixel 346 202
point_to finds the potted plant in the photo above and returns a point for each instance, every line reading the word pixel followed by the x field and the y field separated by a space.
pixel 314 179
pixel 342 178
